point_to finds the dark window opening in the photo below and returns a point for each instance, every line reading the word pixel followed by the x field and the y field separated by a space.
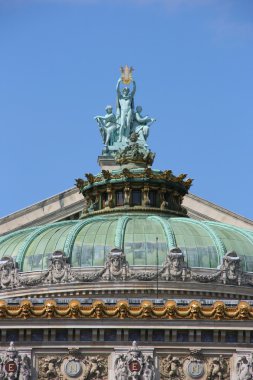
pixel 206 336
pixel 231 337
pixel 37 335
pixel 61 335
pixel 119 195
pixel 182 336
pixel 12 336
pixel 153 198
pixel 110 335
pixel 86 335
pixel 104 199
pixel 158 336
pixel 136 197
pixel 134 335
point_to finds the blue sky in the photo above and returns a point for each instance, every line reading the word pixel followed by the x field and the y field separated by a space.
pixel 59 65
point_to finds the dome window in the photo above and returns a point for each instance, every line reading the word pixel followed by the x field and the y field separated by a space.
pixel 104 199
pixel 119 195
pixel 136 197
pixel 153 198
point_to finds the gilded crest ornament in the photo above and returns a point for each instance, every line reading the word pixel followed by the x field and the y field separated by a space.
pixel 126 74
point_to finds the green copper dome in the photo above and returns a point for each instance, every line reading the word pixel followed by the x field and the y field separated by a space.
pixel 87 242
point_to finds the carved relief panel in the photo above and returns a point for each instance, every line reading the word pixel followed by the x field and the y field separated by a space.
pixel 74 365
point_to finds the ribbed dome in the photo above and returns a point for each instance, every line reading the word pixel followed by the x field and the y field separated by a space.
pixel 87 242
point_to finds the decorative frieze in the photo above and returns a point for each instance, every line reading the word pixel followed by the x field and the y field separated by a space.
pixel 122 310
pixel 116 267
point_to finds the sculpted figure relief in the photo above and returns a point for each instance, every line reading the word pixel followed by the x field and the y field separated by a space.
pixel 244 368
pixel 218 369
pixel 171 368
pixel 134 365
pixel 59 270
pixel 116 130
pixel 108 126
pixel 231 271
pixel 116 266
pixel 174 267
pixel 8 273
pixel 141 124
pixel 125 109
pixel 20 365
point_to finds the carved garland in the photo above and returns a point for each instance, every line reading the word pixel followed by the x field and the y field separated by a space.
pixel 122 310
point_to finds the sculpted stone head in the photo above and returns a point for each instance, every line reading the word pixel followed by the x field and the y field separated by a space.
pixel 195 308
pixel 219 308
pixel 74 306
pixel 244 310
pixel 3 307
pixel 231 265
pixel 123 309
pixel 99 307
pixel 50 306
pixel 108 109
pixel 171 308
pixel 146 307
pixel 26 307
pixel 125 91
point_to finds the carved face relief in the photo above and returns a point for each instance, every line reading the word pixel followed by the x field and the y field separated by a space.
pixel 194 309
pixel 50 307
pixel 116 263
pixel 219 308
pixel 244 309
pixel 146 309
pixel 74 306
pixel 98 309
pixel 26 306
pixel 2 308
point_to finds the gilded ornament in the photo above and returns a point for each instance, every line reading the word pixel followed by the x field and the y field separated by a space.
pixel 126 74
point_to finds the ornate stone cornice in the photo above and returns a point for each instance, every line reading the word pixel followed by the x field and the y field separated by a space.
pixel 107 176
pixel 123 310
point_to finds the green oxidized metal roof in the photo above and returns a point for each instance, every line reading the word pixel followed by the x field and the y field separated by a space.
pixel 87 242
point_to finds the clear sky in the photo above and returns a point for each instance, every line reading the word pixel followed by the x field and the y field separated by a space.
pixel 59 64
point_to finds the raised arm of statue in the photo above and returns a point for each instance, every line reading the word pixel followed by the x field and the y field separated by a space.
pixel 134 88
pixel 118 87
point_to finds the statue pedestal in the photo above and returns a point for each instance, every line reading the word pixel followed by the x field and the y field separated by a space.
pixel 107 163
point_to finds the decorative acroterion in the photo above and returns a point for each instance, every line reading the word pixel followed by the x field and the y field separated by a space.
pixel 126 74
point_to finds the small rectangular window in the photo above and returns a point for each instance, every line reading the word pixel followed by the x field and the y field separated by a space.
pixel 231 337
pixel 136 197
pixel 104 198
pixel 158 335
pixel 12 336
pixel 119 198
pixel 182 336
pixel 134 335
pixel 61 335
pixel 207 336
pixel 110 335
pixel 152 198
pixel 86 335
pixel 37 335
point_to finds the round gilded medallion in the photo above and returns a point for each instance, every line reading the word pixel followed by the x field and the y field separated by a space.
pixel 73 368
pixel 195 369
